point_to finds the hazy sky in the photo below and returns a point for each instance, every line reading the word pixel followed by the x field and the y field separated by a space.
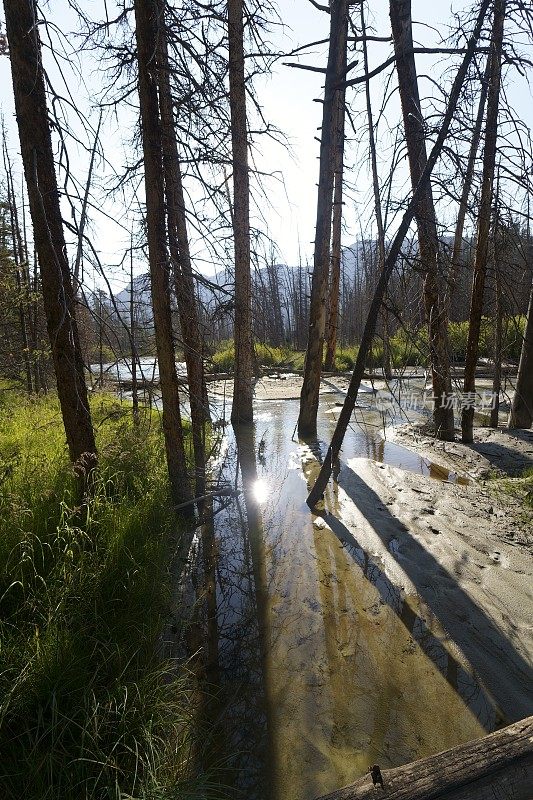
pixel 287 97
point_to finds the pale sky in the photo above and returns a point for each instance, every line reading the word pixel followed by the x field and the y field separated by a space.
pixel 287 97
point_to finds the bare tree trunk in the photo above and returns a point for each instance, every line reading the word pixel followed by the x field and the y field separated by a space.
pixel 498 329
pixel 242 409
pixel 336 234
pixel 181 261
pixel 387 366
pixel 133 345
pixel 317 314
pixel 484 218
pixel 20 267
pixel 467 188
pixel 435 308
pixel 146 29
pixel 366 342
pixel 522 407
pixel 37 156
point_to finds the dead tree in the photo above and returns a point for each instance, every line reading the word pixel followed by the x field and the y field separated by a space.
pixel 336 232
pixel 415 139
pixel 21 266
pixel 366 341
pixel 484 220
pixel 178 240
pixel 242 408
pixel 146 31
pixel 522 406
pixel 498 765
pixel 387 366
pixel 467 187
pixel 133 344
pixel 317 315
pixel 38 159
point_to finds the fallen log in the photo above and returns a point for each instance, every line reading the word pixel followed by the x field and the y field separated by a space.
pixel 496 767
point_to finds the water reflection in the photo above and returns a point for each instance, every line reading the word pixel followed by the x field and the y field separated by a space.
pixel 318 662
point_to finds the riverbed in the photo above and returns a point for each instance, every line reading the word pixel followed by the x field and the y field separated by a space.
pixel 393 624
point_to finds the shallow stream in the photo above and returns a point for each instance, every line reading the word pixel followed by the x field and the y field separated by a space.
pixel 317 661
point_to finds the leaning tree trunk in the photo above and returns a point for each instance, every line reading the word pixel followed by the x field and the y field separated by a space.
pixel 242 410
pixel 394 251
pixel 317 315
pixel 181 261
pixel 38 159
pixel 147 30
pixel 483 226
pixel 434 296
pixel 522 406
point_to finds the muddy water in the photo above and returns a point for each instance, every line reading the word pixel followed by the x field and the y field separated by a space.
pixel 319 664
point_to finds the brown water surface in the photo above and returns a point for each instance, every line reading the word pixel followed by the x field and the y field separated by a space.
pixel 319 662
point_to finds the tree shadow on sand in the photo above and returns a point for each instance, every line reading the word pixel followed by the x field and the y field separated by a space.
pixel 495 661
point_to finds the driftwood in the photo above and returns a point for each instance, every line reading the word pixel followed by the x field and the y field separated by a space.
pixel 496 767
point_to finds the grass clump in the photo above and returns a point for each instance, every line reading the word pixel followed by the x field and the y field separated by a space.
pixel 86 708
pixel 223 359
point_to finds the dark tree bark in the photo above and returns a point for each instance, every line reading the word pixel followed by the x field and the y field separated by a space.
pixel 59 302
pixel 181 261
pixel 147 25
pixel 366 341
pixel 317 314
pixel 434 295
pixel 242 409
pixel 484 219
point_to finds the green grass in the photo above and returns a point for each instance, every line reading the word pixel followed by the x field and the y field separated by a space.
pixel 408 348
pixel 521 488
pixel 86 708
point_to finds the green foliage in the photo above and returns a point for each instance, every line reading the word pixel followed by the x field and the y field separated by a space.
pixel 86 709
pixel 223 360
pixel 345 358
pixel 408 348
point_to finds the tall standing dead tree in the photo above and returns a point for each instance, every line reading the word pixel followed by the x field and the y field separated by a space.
pixel 178 240
pixel 147 25
pixel 338 40
pixel 38 159
pixel 415 139
pixel 394 251
pixel 467 186
pixel 484 220
pixel 336 231
pixel 242 409
pixel 522 406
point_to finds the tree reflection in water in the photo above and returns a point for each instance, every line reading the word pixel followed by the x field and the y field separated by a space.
pixel 315 664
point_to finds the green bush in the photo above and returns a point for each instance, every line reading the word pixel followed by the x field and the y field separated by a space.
pixel 345 358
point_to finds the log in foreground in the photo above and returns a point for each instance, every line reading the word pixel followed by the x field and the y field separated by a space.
pixel 496 767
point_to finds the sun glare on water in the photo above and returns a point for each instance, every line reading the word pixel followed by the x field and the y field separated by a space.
pixel 260 491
